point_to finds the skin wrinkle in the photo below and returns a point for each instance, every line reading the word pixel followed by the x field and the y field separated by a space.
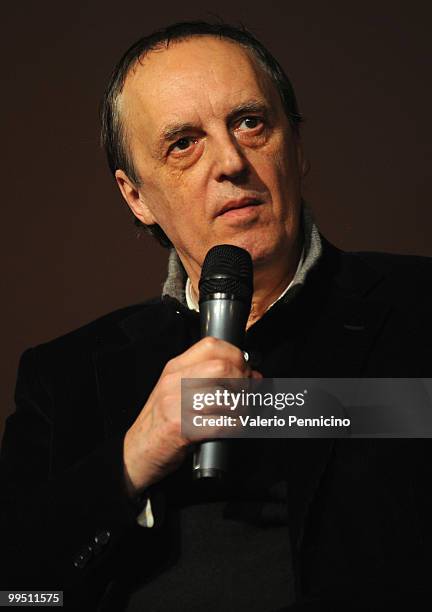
pixel 182 190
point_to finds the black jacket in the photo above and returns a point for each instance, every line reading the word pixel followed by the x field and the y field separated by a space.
pixel 360 510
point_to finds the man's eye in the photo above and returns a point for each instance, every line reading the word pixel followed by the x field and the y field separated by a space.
pixel 251 122
pixel 182 144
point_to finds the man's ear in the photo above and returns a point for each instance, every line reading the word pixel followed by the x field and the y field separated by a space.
pixel 134 199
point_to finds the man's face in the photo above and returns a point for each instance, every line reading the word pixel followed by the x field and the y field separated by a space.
pixel 216 156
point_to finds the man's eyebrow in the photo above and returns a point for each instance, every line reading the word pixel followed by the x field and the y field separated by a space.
pixel 173 130
pixel 251 106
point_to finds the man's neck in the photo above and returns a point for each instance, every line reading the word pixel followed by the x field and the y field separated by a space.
pixel 270 281
pixel 267 292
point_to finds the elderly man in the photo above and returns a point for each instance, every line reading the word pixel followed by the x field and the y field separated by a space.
pixel 201 129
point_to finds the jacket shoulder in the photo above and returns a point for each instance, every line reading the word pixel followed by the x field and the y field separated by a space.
pixel 391 263
pixel 405 279
pixel 106 330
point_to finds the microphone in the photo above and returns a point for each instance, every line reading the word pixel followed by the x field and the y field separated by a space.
pixel 225 290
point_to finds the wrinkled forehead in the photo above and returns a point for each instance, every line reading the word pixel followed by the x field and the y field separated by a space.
pixel 191 73
pixel 196 51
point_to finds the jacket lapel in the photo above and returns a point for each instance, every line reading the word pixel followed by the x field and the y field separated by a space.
pixel 344 324
pixel 342 316
pixel 341 344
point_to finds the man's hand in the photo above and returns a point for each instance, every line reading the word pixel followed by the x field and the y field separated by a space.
pixel 154 445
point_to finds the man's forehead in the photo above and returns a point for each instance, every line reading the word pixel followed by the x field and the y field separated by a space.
pixel 170 80
pixel 193 54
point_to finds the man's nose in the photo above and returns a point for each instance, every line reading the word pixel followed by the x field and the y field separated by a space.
pixel 230 160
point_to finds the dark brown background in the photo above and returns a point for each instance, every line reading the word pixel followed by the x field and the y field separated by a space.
pixel 361 71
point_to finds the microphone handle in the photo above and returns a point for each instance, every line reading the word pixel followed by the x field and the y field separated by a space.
pixel 224 318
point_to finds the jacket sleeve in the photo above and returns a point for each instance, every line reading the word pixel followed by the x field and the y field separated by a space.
pixel 59 531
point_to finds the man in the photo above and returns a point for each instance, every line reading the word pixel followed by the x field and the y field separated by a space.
pixel 201 129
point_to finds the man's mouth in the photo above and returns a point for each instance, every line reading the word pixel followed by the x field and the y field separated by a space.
pixel 239 207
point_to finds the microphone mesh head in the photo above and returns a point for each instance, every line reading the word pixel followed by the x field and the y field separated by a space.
pixel 227 269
